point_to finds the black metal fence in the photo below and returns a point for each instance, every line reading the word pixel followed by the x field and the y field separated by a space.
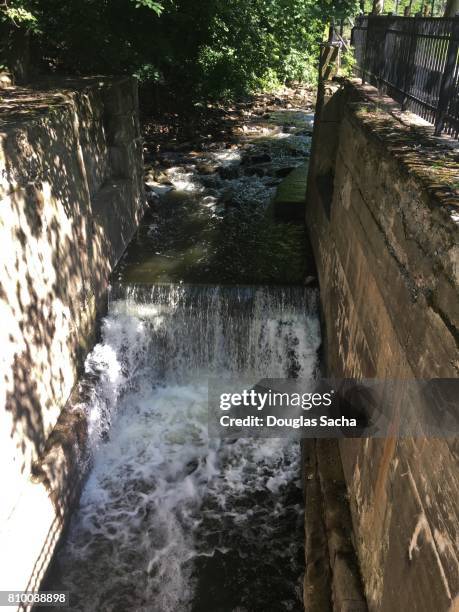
pixel 416 61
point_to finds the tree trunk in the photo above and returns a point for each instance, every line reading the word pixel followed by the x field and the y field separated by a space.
pixel 452 8
pixel 378 7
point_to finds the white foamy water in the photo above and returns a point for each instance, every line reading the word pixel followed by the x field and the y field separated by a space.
pixel 165 508
pixel 227 157
pixel 171 520
pixel 183 180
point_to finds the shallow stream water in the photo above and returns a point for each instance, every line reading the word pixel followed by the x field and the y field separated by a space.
pixel 170 519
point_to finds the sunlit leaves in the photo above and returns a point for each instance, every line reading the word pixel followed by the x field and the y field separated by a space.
pixel 156 7
pixel 19 14
pixel 207 48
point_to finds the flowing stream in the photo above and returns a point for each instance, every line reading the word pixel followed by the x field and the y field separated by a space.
pixel 169 519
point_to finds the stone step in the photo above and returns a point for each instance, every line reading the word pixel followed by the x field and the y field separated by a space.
pixel 290 198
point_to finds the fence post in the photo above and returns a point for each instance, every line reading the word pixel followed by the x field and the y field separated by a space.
pixel 365 52
pixel 410 61
pixel 447 81
pixel 383 75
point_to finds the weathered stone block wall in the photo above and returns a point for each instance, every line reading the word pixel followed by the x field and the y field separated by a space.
pixel 380 212
pixel 71 195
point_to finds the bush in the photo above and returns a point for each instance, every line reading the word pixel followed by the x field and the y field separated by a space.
pixel 213 48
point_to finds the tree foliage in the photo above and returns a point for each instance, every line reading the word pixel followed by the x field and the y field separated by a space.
pixel 206 48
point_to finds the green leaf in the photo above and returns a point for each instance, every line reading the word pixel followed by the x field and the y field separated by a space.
pixel 150 4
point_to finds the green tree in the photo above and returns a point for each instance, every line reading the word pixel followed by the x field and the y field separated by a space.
pixel 211 48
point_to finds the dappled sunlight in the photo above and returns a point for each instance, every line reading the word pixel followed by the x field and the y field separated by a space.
pixel 210 202
pixel 433 159
pixel 60 240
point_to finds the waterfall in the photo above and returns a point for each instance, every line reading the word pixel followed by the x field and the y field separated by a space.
pixel 169 519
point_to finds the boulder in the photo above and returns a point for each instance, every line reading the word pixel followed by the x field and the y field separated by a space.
pixel 255 171
pixel 261 158
pixel 229 172
pixel 285 171
pixel 206 168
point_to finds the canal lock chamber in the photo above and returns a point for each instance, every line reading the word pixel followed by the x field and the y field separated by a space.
pixel 211 286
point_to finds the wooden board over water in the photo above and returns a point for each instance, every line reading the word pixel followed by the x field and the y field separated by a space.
pixel 290 199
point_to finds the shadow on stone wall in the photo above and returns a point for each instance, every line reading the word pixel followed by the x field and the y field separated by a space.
pixel 60 239
pixel 385 242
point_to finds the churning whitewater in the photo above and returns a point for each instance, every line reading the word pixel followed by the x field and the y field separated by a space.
pixel 170 519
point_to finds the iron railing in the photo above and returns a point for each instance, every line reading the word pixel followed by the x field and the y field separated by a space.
pixel 416 61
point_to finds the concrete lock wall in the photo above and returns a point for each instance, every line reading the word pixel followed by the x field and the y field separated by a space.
pixel 380 212
pixel 71 197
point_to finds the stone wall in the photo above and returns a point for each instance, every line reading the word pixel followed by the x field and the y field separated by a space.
pixel 71 194
pixel 382 206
